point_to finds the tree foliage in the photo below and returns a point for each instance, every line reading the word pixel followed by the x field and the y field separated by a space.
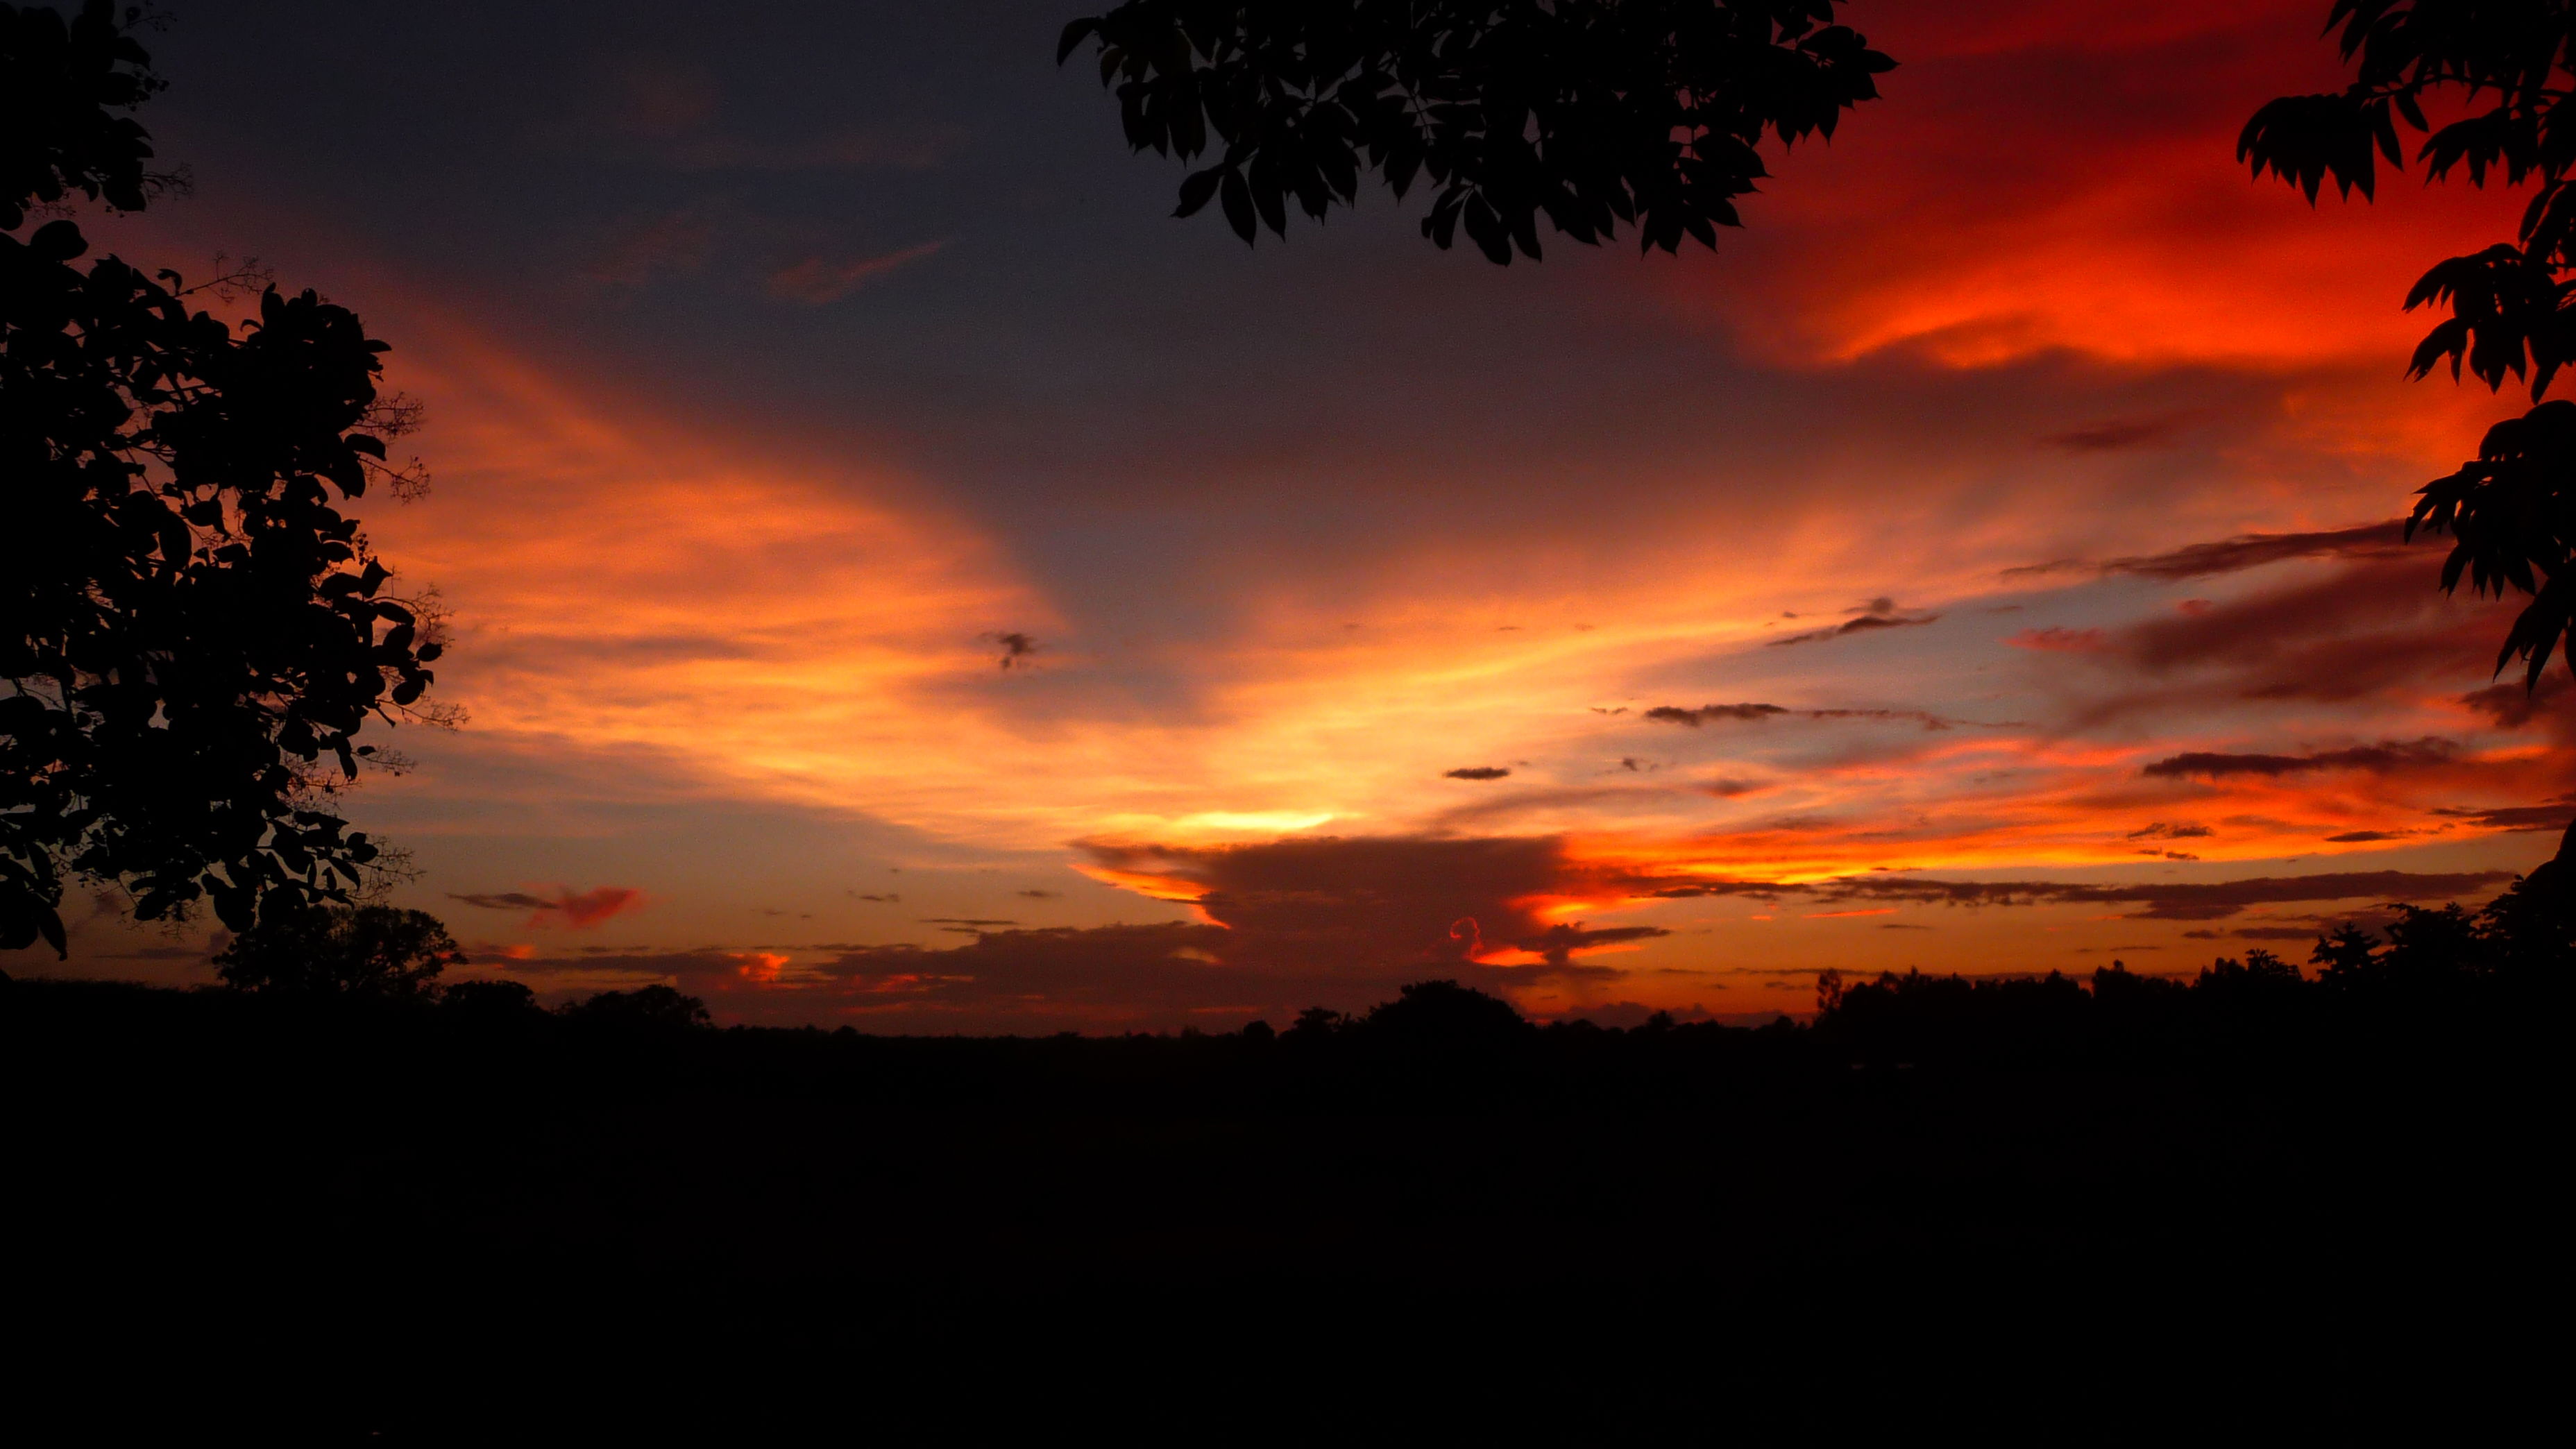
pixel 1590 113
pixel 369 951
pixel 60 84
pixel 2506 66
pixel 646 1008
pixel 192 633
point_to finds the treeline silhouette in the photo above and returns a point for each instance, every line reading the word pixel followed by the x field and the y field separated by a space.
pixel 2314 1202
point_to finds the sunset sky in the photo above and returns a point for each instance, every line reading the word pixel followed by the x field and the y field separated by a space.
pixel 901 577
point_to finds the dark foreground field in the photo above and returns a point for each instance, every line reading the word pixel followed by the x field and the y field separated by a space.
pixel 2043 1211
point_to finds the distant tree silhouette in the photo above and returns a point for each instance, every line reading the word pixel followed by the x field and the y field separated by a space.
pixel 1314 1024
pixel 370 951
pixel 659 1008
pixel 489 999
pixel 1444 1013
pixel 192 635
pixel 1591 114
pixel 2260 971
pixel 2511 512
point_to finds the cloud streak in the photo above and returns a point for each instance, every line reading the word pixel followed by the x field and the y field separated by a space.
pixel 2379 759
pixel 566 907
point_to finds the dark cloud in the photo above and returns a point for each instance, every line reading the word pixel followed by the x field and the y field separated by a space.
pixel 2345 636
pixel 2513 704
pixel 2276 933
pixel 2370 629
pixel 1476 772
pixel 2513 817
pixel 862 896
pixel 2361 837
pixel 2380 759
pixel 503 901
pixel 1019 651
pixel 1675 714
pixel 2157 900
pixel 1164 975
pixel 1369 906
pixel 1123 970
pixel 971 923
pixel 1038 895
pixel 1557 944
pixel 1880 616
pixel 566 907
pixel 2117 435
pixel 2179 830
pixel 1757 713
pixel 2244 551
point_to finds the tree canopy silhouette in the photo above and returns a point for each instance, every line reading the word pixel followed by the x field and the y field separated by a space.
pixel 1591 113
pixel 2509 64
pixel 192 634
pixel 649 1008
pixel 375 951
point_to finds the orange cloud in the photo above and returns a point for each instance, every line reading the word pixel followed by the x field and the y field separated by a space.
pixel 2063 177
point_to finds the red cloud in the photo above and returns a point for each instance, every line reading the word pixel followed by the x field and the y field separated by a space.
pixel 592 907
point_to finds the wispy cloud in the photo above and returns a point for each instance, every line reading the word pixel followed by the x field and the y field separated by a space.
pixel 820 281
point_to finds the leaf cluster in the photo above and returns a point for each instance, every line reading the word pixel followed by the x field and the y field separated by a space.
pixel 368 951
pixel 1593 114
pixel 2507 65
pixel 59 84
pixel 192 632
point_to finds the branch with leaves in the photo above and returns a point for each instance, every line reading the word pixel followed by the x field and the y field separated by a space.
pixel 2511 64
pixel 193 632
pixel 1591 114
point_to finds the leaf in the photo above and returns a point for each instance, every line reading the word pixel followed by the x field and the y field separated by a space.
pixel 1074 34
pixel 1237 202
pixel 1197 188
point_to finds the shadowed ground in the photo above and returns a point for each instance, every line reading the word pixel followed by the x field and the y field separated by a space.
pixel 341 1222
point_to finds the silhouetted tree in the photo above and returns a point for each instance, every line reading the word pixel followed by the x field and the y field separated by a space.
pixel 2117 984
pixel 2511 512
pixel 489 999
pixel 2345 953
pixel 192 635
pixel 1590 113
pixel 2259 972
pixel 2534 922
pixel 1444 1013
pixel 372 951
pixel 658 1008
pixel 1314 1024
